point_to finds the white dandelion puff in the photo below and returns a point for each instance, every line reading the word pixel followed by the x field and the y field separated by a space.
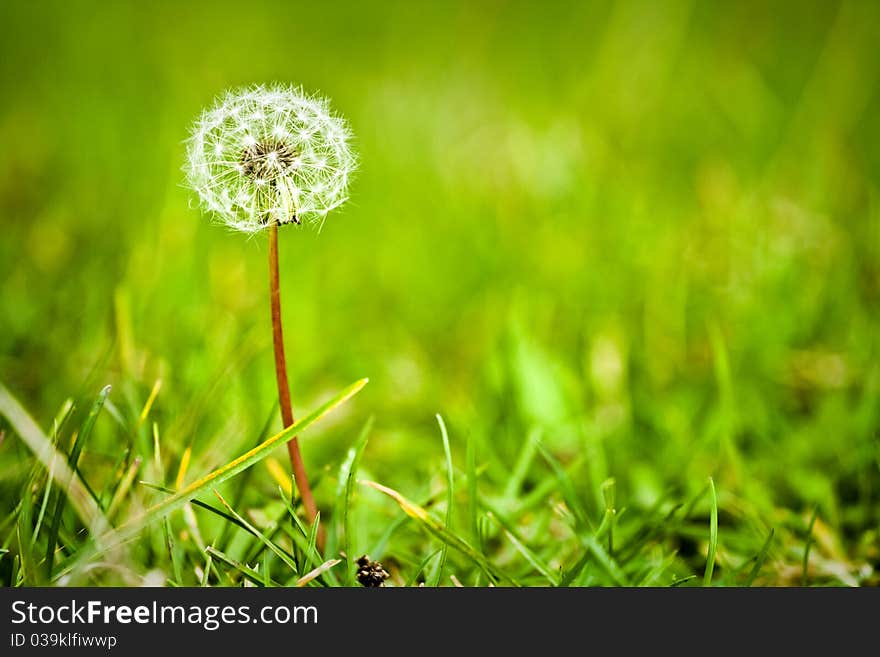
pixel 269 154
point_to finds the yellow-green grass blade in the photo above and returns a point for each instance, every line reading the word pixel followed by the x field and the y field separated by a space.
pixel 713 534
pixel 806 560
pixel 222 474
pixel 760 558
pixel 124 486
pixel 299 534
pixel 344 498
pixel 608 563
pixel 450 499
pixel 422 565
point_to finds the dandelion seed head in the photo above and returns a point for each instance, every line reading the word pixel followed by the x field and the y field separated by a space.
pixel 267 154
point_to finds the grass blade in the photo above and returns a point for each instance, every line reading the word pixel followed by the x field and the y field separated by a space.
pixel 759 560
pixel 713 534
pixel 574 571
pixel 313 535
pixel 605 560
pixel 807 547
pixel 206 574
pixel 123 487
pixel 450 498
pixel 473 502
pixel 566 487
pixel 170 547
pixel 347 478
pixel 422 565
pixel 303 537
pixel 523 464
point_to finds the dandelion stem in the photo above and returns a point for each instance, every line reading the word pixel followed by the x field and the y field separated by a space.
pixel 296 460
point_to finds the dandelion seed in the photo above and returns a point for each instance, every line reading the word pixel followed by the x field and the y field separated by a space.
pixel 251 146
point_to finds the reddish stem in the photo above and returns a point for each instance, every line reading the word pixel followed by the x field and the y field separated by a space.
pixel 296 460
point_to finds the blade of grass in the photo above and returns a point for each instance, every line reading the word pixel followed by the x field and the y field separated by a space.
pixel 473 501
pixel 809 544
pixel 572 573
pixel 152 398
pixel 301 535
pixel 313 534
pixel 42 513
pixel 172 553
pixel 347 478
pixel 422 565
pixel 195 533
pixel 450 498
pixel 257 547
pixel 652 530
pixel 229 470
pixel 759 560
pixel 123 487
pixel 23 533
pixel 523 464
pixel 605 560
pixel 80 439
pixel 567 489
pixel 607 488
pixel 545 486
pixel 713 534
pixel 60 419
pixel 65 412
pixel 206 575
pixel 183 467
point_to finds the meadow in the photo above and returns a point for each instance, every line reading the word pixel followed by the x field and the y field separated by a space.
pixel 628 252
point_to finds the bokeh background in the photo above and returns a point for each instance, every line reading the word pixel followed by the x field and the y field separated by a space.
pixel 648 232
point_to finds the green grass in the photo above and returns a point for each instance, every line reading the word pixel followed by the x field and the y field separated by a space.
pixel 621 249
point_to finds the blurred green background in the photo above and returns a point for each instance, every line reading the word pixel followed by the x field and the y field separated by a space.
pixel 649 231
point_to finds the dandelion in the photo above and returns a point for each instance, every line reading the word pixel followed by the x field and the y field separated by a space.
pixel 262 157
pixel 269 155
